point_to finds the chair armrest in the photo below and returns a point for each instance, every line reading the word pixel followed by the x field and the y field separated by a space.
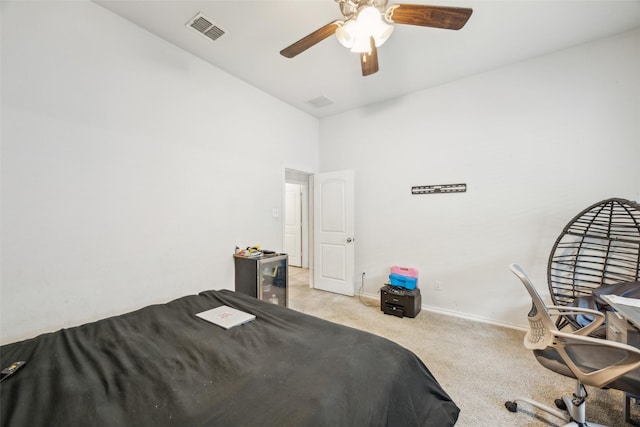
pixel 563 310
pixel 627 358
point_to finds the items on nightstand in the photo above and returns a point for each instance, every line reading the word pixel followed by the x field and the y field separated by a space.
pixel 251 252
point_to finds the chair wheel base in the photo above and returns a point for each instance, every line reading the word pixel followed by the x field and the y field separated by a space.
pixel 560 404
pixel 511 406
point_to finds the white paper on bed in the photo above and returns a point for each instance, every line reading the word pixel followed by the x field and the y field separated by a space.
pixel 226 316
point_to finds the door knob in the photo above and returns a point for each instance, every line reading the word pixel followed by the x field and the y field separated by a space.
pixel 349 240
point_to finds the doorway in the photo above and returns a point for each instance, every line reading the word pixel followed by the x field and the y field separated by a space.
pixel 297 241
pixel 293 223
pixel 318 227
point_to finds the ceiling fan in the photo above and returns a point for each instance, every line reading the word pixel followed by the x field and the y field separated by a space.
pixel 367 25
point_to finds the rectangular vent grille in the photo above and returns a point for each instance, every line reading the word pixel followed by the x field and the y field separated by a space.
pixel 321 101
pixel 206 27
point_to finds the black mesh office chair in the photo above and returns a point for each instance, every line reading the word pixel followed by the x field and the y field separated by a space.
pixel 591 361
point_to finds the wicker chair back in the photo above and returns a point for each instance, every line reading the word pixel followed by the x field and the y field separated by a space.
pixel 599 246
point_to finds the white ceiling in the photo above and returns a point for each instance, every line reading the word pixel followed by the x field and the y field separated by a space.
pixel 414 58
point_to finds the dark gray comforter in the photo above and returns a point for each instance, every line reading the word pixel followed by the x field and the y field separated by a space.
pixel 162 366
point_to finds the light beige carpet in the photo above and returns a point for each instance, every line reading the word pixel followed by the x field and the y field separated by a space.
pixel 479 365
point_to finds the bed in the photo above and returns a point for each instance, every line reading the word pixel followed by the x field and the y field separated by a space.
pixel 163 366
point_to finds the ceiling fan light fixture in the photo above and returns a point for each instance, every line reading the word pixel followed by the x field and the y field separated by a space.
pixel 369 17
pixel 346 34
pixel 361 44
pixel 383 34
pixel 368 24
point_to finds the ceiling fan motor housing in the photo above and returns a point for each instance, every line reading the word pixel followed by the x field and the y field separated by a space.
pixel 350 8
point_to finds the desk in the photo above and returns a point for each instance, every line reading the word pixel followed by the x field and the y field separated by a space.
pixel 623 325
pixel 628 312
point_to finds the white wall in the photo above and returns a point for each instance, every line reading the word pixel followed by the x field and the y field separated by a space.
pixel 535 142
pixel 130 169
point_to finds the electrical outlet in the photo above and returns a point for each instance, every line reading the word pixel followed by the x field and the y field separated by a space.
pixel 438 285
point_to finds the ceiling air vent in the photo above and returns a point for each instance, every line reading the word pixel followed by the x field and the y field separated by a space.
pixel 206 27
pixel 321 101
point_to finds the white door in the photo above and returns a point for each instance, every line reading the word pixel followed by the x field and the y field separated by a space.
pixel 334 248
pixel 293 224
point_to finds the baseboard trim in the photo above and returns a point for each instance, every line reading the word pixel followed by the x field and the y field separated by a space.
pixel 473 318
pixel 458 314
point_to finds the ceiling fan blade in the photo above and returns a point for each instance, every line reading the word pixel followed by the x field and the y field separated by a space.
pixel 449 18
pixel 369 60
pixel 312 39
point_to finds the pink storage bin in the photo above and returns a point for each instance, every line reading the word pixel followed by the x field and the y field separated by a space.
pixel 404 271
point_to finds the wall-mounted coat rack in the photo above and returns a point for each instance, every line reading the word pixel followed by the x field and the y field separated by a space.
pixel 439 189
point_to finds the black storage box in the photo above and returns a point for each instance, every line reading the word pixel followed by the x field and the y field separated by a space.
pixel 400 302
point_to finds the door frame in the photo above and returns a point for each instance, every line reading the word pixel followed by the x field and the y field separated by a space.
pixel 305 180
pixel 292 218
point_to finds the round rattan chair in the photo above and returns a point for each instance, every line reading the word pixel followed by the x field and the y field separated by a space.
pixel 599 246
